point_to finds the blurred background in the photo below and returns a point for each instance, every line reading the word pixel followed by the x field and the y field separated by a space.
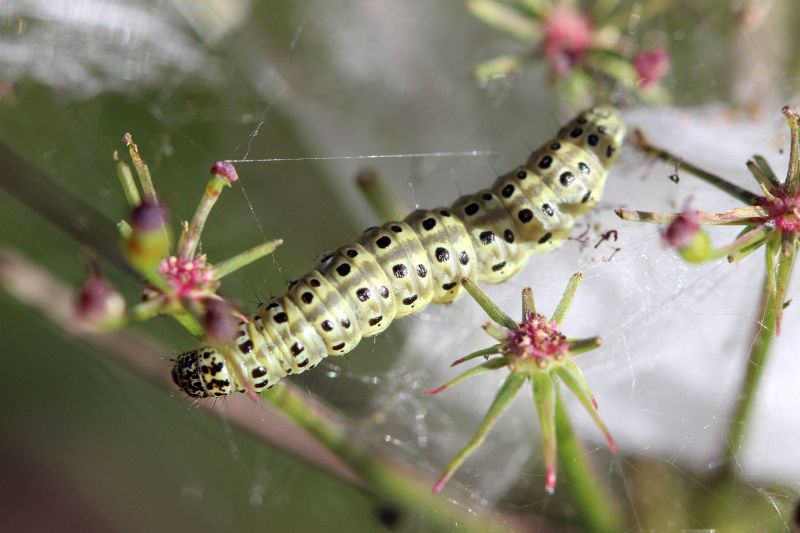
pixel 94 436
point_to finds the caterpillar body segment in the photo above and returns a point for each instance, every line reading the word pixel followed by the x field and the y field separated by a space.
pixel 400 267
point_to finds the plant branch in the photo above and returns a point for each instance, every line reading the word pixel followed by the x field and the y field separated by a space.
pixel 596 507
pixel 724 185
pixel 332 448
pixel 756 362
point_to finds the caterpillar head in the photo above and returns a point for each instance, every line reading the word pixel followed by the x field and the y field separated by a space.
pixel 608 118
pixel 203 373
pixel 603 124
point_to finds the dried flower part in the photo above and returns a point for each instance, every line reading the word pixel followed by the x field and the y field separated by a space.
pixel 651 65
pixel 225 170
pixel 187 277
pixel 567 36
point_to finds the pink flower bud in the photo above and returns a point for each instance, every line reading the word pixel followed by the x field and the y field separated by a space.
pixel 225 170
pixel 98 303
pixel 218 321
pixel 567 36
pixel 681 231
pixel 651 65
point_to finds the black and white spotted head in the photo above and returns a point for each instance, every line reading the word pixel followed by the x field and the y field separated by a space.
pixel 203 373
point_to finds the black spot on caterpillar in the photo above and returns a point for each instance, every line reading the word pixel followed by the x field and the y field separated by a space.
pixel 415 262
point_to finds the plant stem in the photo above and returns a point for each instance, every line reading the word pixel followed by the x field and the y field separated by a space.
pixel 223 268
pixel 732 189
pixel 35 287
pixel 388 480
pixel 383 202
pixel 126 180
pixel 142 170
pixel 597 509
pixel 738 216
pixel 756 363
pixel 187 245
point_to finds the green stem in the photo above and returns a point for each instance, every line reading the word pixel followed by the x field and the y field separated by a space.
pixel 142 170
pixel 191 237
pixel 763 173
pixel 126 180
pixel 486 303
pixel 724 185
pixel 755 368
pixel 190 323
pixel 566 299
pixel 223 268
pixel 793 173
pixel 388 480
pixel 579 346
pixel 737 216
pixel 382 201
pixel 596 508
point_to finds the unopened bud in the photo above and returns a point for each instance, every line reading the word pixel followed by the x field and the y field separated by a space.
pixel 684 234
pixel 99 305
pixel 225 170
pixel 148 216
pixel 651 65
pixel 149 241
pixel 682 230
pixel 219 322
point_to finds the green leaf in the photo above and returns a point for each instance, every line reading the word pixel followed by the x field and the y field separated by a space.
pixel 544 393
pixel 507 391
pixel 498 67
pixel 505 18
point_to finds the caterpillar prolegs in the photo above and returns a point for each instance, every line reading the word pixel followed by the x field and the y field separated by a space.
pixel 397 269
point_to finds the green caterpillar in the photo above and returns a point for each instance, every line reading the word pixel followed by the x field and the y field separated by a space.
pixel 399 268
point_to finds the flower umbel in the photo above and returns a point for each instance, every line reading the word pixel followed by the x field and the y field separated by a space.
pixel 771 220
pixel 534 350
pixel 587 45
pixel 179 281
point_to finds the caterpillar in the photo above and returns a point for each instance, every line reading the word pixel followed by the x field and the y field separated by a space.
pixel 400 267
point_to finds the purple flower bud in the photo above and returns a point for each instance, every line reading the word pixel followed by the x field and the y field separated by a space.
pixel 148 216
pixel 651 65
pixel 219 322
pixel 225 170
pixel 567 38
pixel 98 303
pixel 681 231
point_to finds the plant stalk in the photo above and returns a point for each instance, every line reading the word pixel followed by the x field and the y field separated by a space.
pixel 724 185
pixel 597 510
pixel 392 483
pixel 756 362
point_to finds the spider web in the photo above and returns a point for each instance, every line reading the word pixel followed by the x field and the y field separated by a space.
pixel 306 95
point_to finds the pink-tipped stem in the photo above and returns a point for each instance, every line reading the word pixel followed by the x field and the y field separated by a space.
pixel 437 390
pixel 441 482
pixel 252 394
pixel 225 170
pixel 612 444
pixel 550 480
